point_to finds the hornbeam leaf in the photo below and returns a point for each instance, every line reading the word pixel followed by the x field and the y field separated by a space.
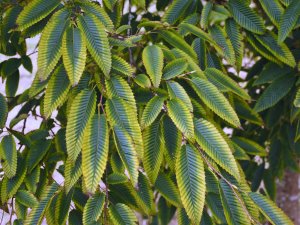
pixel 72 172
pixel 297 99
pixel 168 189
pixel 62 206
pixel 8 155
pixel 233 210
pixel 37 213
pixel 207 8
pixel 96 40
pixel 288 20
pixel 153 150
pixel 174 68
pixel 57 90
pixel 93 209
pixel 224 82
pixel 214 99
pixel 175 10
pixel 191 182
pixel 10 186
pixel 274 92
pixel 214 145
pixel 35 11
pixel 274 214
pixel 95 9
pixel 95 152
pixel 279 50
pixel 81 112
pixel 26 198
pixel 273 9
pixel 119 114
pixel 74 53
pixel 151 111
pixel 127 152
pixel 153 59
pixel 181 116
pixel 177 91
pixel 3 111
pixel 122 215
pixel 246 17
pixel 51 43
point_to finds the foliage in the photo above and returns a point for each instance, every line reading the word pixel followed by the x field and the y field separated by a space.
pixel 134 101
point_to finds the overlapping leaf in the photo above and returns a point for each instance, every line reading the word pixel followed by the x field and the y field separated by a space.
pixel 81 112
pixel 151 111
pixel 74 53
pixel 191 182
pixel 3 111
pixel 57 90
pixel 211 96
pixel 8 156
pixel 96 40
pixel 93 209
pixel 212 142
pixel 95 152
pixel 153 59
pixel 35 11
pixel 153 150
pixel 50 47
pixel 181 116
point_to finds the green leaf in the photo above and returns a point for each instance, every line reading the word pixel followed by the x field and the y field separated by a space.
pixel 37 152
pixel 151 111
pixel 235 36
pixel 95 152
pixel 153 59
pixel 173 140
pixel 218 34
pixel 10 186
pixel 8 155
pixel 177 41
pixel 74 53
pixel 143 80
pixel 119 114
pixel 251 147
pixel 288 20
pixel 26 198
pixel 95 9
pixel 72 172
pixel 213 98
pixel 297 99
pixel 96 40
pixel 35 11
pixel 81 112
pixel 181 116
pixel 224 82
pixel 93 209
pixel 273 9
pixel 191 182
pixel 274 214
pixel 127 152
pixel 119 65
pixel 122 215
pixel 36 215
pixel 146 194
pixel 175 11
pixel 57 90
pixel 153 150
pixel 274 93
pixel 177 91
pixel 174 68
pixel 62 206
pixel 214 145
pixel 12 83
pixel 3 111
pixel 50 47
pixel 168 189
pixel 117 178
pixel 233 210
pixel 279 50
pixel 246 17
pixel 207 8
